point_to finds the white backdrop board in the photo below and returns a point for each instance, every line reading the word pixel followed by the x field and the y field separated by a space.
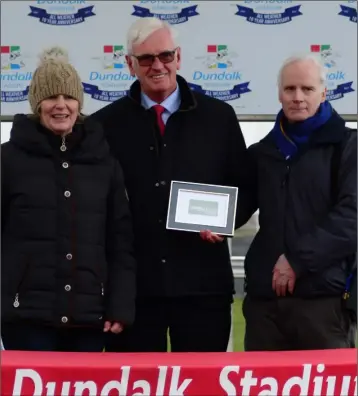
pixel 231 50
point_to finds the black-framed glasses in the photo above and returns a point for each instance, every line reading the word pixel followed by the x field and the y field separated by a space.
pixel 149 59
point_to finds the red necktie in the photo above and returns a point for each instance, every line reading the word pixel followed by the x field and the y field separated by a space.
pixel 160 110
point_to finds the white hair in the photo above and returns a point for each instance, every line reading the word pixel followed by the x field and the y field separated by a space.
pixel 304 58
pixel 141 29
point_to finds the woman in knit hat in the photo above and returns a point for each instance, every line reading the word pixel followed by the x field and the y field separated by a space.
pixel 68 272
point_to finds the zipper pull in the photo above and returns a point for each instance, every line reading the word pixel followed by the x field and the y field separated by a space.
pixel 284 181
pixel 102 289
pixel 63 145
pixel 16 303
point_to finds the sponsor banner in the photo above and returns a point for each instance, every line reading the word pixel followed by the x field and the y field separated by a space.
pixel 316 373
pixel 230 50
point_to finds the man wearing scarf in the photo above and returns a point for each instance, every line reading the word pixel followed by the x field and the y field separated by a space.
pixel 302 263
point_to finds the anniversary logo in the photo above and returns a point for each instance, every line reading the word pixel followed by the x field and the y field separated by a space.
pixel 349 10
pixel 337 84
pixel 112 77
pixel 268 12
pixel 218 75
pixel 62 13
pixel 172 12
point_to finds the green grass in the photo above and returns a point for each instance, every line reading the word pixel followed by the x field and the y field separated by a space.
pixel 238 325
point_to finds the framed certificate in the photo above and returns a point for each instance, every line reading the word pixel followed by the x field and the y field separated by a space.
pixel 195 207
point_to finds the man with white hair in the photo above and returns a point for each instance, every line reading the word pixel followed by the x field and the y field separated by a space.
pixel 163 131
pixel 301 266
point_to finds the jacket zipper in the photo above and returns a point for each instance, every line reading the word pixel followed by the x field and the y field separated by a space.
pixel 100 278
pixel 102 296
pixel 63 144
pixel 287 174
pixel 16 302
pixel 285 186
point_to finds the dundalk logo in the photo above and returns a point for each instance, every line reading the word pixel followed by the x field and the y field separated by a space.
pixel 268 12
pixel 220 79
pixel 327 55
pixel 218 57
pixel 61 13
pixel 172 12
pixel 349 10
pixel 114 57
pixel 11 58
pixel 14 83
pixel 337 86
pixel 111 75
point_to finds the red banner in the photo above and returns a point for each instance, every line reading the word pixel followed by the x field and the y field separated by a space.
pixel 319 373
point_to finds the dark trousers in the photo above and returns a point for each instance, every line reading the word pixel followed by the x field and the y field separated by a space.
pixel 194 324
pixel 296 324
pixel 29 337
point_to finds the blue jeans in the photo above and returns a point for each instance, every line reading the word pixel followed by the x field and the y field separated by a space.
pixel 29 337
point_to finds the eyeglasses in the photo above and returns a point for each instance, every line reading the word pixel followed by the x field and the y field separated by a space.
pixel 149 59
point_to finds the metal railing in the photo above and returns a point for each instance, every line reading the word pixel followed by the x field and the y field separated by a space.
pixel 237 263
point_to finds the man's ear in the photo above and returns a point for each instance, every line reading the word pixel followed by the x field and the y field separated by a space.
pixel 130 61
pixel 178 55
pixel 324 95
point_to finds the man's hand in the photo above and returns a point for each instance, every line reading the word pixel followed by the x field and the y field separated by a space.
pixel 209 236
pixel 283 277
pixel 114 327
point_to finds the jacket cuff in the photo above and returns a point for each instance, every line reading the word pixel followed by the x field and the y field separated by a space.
pixel 295 265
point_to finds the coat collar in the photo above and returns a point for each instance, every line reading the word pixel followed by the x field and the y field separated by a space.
pixel 171 104
pixel 188 101
pixel 87 139
pixel 333 131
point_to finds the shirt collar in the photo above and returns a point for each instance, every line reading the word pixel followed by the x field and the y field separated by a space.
pixel 171 103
